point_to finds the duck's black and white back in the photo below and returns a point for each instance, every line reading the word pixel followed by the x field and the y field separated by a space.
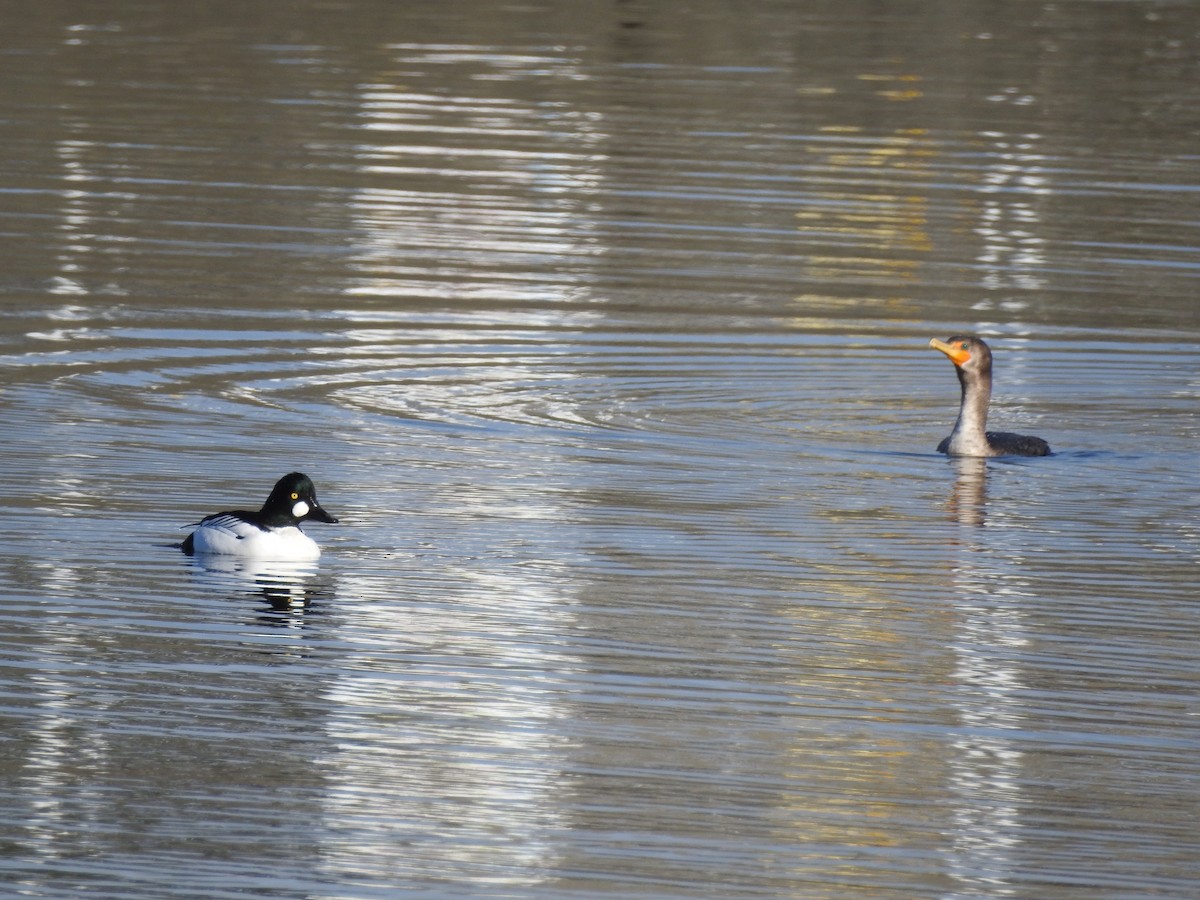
pixel 271 533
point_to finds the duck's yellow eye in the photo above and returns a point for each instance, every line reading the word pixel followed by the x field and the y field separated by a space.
pixel 295 496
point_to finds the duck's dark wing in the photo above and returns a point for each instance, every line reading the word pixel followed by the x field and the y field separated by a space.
pixel 232 517
pixel 1009 444
pixel 234 522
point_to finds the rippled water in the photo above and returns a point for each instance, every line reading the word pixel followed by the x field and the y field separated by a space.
pixel 604 333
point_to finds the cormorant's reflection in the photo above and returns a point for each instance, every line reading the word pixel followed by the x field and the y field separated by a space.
pixel 968 499
pixel 986 766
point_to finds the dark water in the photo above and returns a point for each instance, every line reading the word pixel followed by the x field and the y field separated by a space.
pixel 604 331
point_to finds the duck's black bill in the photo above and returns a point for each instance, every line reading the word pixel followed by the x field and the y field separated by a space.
pixel 318 514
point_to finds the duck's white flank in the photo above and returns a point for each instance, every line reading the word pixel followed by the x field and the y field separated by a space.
pixel 229 535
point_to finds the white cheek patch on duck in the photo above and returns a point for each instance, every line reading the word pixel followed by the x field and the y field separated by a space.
pixel 300 509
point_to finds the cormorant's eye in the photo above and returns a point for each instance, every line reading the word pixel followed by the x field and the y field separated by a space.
pixel 963 345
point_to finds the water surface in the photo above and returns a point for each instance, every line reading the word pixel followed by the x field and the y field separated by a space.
pixel 604 334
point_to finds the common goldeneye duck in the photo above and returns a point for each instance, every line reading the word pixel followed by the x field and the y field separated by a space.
pixel 271 533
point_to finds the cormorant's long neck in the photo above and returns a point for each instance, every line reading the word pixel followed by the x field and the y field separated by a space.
pixel 970 429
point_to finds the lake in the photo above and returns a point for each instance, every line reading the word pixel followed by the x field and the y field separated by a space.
pixel 603 330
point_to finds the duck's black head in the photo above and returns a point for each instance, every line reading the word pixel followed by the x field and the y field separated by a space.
pixel 295 496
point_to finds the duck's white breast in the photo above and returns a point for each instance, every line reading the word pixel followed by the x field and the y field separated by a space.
pixel 230 536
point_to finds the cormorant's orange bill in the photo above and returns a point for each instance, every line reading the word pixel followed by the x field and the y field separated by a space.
pixel 957 354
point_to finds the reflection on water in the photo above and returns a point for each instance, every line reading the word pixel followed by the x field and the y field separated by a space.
pixel 285 586
pixel 606 330
pixel 989 635
pixel 466 715
pixel 968 498
pixel 1013 252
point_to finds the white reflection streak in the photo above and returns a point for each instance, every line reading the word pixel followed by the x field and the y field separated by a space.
pixel 75 218
pixel 1013 254
pixel 57 774
pixel 985 767
pixel 511 214
pixel 449 764
pixel 450 756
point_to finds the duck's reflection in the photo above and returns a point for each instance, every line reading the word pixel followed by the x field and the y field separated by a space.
pixel 287 588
